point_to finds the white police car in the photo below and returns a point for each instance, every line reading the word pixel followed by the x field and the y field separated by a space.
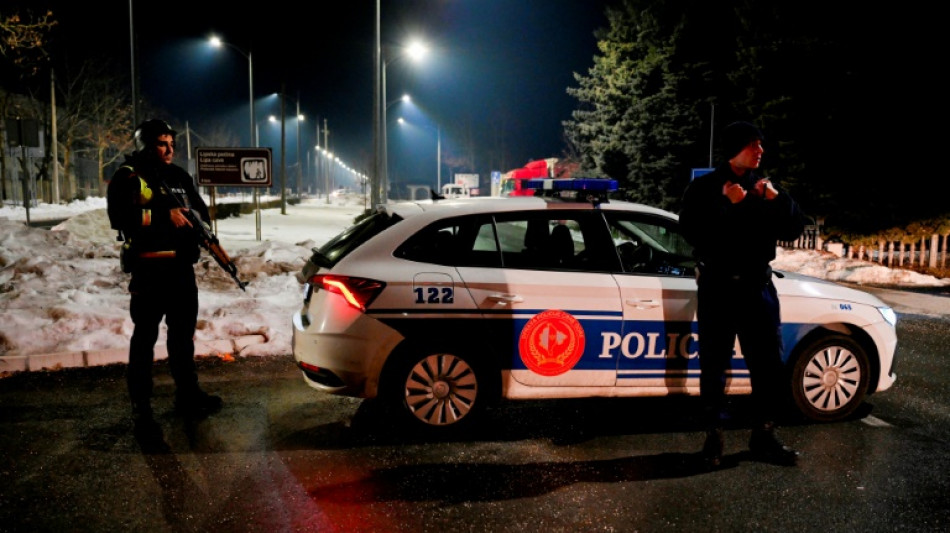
pixel 442 307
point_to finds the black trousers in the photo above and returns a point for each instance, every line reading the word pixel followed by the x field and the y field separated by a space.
pixel 748 310
pixel 162 289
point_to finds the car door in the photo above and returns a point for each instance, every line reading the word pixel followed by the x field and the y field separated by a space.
pixel 657 351
pixel 543 283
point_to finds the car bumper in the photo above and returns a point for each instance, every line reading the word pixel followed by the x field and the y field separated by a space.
pixel 345 361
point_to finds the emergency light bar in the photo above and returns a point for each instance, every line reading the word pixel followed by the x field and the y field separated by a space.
pixel 594 190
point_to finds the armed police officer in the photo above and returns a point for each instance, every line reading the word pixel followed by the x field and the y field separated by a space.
pixel 147 199
pixel 734 219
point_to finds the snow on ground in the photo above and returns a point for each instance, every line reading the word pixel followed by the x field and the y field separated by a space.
pixel 62 290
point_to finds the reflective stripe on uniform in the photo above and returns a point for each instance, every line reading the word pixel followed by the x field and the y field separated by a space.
pixel 145 194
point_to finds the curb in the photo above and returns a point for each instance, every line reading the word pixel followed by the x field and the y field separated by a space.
pixel 224 348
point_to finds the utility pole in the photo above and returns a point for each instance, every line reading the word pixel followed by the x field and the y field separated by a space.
pixel 299 164
pixel 283 160
pixel 377 97
pixel 135 98
pixel 326 152
pixel 53 143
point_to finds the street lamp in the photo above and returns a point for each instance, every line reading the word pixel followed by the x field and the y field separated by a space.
pixel 404 99
pixel 415 52
pixel 218 43
pixel 438 152
pixel 283 163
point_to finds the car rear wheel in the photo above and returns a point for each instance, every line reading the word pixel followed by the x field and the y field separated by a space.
pixel 438 390
pixel 830 378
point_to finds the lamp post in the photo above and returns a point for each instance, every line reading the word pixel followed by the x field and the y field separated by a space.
pixel 378 100
pixel 299 169
pixel 326 148
pixel 218 43
pixel 385 163
pixel 415 51
pixel 283 164
pixel 283 161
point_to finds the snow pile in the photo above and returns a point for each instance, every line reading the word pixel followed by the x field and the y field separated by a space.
pixel 63 290
pixel 833 268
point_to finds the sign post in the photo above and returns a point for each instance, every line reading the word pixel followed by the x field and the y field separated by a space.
pixel 235 167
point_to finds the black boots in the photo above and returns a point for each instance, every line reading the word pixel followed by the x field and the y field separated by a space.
pixel 197 403
pixel 144 425
pixel 766 447
pixel 763 446
pixel 712 449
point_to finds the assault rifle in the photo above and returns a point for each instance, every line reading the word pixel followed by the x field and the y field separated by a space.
pixel 209 241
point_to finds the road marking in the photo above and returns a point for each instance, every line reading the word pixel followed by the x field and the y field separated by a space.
pixel 875 422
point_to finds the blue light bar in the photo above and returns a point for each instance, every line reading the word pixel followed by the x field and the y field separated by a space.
pixel 573 184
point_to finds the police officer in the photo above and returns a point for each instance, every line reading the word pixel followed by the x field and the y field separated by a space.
pixel 734 218
pixel 147 198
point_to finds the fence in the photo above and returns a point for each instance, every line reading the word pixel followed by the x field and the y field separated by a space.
pixel 920 254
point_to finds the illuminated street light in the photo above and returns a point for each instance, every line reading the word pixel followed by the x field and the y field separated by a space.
pixel 283 161
pixel 218 43
pixel 415 52
pixel 404 99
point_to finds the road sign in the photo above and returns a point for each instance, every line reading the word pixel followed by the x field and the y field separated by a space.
pixel 697 172
pixel 234 167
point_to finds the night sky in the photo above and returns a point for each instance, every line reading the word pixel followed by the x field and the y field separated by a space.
pixel 496 69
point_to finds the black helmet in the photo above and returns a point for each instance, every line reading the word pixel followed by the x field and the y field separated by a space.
pixel 149 131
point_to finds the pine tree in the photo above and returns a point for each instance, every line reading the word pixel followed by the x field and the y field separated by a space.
pixel 634 124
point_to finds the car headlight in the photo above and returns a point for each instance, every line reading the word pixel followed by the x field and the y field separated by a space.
pixel 889 315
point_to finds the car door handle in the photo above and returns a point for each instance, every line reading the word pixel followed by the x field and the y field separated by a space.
pixel 506 298
pixel 642 304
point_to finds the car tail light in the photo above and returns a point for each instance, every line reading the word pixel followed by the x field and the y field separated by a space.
pixel 358 292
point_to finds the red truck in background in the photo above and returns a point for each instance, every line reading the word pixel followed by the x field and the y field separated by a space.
pixel 513 181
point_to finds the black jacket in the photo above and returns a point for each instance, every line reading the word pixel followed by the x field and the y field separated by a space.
pixel 140 201
pixel 736 239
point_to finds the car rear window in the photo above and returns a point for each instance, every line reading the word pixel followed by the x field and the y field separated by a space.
pixel 351 238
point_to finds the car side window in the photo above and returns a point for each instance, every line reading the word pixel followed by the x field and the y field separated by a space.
pixel 650 244
pixel 551 240
pixel 567 240
pixel 458 241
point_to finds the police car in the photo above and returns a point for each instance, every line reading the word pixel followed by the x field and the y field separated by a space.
pixel 443 307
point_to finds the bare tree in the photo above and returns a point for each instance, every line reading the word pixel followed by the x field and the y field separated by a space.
pixel 95 117
pixel 23 44
pixel 107 131
pixel 23 39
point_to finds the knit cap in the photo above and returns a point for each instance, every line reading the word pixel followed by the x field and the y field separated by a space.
pixel 737 136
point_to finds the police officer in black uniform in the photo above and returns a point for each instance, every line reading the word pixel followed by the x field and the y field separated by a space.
pixel 146 200
pixel 734 219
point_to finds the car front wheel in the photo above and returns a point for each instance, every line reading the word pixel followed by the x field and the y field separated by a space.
pixel 830 378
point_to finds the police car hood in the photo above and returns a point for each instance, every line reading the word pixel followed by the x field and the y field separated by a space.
pixel 793 284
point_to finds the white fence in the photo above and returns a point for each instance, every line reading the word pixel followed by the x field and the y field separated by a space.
pixel 927 252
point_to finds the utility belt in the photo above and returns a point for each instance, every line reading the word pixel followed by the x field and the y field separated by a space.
pixel 164 254
pixel 129 258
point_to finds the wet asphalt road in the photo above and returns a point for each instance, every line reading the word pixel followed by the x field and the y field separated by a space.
pixel 281 457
